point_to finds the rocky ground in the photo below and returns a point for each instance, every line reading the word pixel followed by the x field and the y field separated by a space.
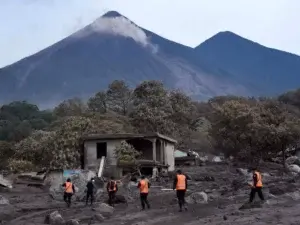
pixel 217 193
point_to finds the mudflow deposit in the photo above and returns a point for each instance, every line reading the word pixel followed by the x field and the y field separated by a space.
pixel 218 194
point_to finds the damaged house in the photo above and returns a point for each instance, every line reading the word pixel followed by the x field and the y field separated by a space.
pixel 99 152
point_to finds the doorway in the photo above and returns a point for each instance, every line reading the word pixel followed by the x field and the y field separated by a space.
pixel 101 150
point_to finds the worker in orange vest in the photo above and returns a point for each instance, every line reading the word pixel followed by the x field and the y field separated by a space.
pixel 112 189
pixel 180 184
pixel 144 186
pixel 256 186
pixel 69 191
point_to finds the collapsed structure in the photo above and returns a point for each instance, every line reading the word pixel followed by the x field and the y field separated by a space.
pixel 99 152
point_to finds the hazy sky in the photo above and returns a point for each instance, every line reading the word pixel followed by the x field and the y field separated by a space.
pixel 28 26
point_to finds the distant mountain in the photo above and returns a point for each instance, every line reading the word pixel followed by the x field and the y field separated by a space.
pixel 268 71
pixel 113 47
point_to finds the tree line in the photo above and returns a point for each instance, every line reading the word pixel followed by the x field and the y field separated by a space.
pixel 247 128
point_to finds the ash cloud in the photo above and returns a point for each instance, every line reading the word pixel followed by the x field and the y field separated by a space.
pixel 123 27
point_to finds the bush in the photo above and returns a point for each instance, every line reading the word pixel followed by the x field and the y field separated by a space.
pixel 20 166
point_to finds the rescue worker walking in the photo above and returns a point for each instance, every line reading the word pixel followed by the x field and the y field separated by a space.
pixel 69 191
pixel 112 189
pixel 90 191
pixel 256 186
pixel 180 184
pixel 144 186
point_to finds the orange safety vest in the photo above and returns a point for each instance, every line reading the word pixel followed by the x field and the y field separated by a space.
pixel 181 185
pixel 259 180
pixel 144 188
pixel 69 187
pixel 112 187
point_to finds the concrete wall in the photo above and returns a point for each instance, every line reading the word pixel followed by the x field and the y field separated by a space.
pixel 90 153
pixel 169 156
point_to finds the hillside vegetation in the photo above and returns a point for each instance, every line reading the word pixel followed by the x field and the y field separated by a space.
pixel 247 128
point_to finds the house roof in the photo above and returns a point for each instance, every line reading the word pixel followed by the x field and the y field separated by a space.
pixel 127 136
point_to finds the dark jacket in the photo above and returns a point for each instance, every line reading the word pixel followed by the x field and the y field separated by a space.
pixel 73 187
pixel 175 183
pixel 139 184
pixel 109 184
pixel 90 187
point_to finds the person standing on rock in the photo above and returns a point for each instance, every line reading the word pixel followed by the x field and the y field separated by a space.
pixel 112 189
pixel 69 191
pixel 256 186
pixel 180 184
pixel 90 191
pixel 144 186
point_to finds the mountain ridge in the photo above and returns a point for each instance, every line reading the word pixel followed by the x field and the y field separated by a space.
pixel 114 47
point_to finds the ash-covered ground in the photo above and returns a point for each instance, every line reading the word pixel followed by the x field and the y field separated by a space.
pixel 225 186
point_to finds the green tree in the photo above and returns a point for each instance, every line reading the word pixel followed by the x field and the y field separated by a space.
pixel 254 132
pixel 19 119
pixel 152 109
pixel 98 103
pixel 21 110
pixel 182 107
pixel 6 152
pixel 70 107
pixel 119 97
pixel 126 153
pixel 291 97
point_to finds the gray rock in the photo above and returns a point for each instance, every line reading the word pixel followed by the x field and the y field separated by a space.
pixel 79 180
pixel 54 218
pixel 104 209
pixel 217 159
pixel 291 160
pixel 294 168
pixel 3 201
pixel 243 172
pixel 98 217
pixel 293 195
pixel 5 182
pixel 197 198
pixel 72 222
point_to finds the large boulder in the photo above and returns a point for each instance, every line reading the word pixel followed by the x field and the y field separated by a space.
pixel 79 180
pixel 3 201
pixel 54 218
pixel 97 218
pixel 294 169
pixel 293 160
pixel 217 159
pixel 197 198
pixel 104 209
pixel 5 182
